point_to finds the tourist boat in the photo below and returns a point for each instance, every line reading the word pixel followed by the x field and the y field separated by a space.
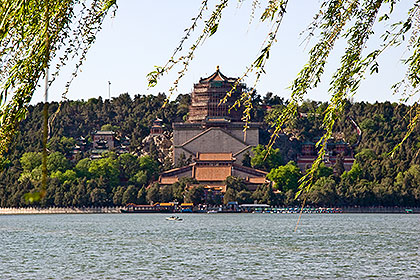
pixel 174 218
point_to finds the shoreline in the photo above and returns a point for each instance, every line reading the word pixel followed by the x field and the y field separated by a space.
pixel 117 210
pixel 59 210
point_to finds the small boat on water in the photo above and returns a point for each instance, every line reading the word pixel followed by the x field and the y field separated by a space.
pixel 174 218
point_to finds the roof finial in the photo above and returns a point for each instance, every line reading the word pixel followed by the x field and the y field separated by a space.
pixel 217 68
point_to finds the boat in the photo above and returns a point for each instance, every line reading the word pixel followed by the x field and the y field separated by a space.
pixel 174 218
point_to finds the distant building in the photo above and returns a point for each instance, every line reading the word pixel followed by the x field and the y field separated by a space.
pixel 211 127
pixel 103 140
pixel 157 127
pixel 336 150
pixel 206 96
pixel 107 140
pixel 212 169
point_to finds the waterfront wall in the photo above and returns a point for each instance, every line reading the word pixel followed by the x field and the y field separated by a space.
pixel 115 210
pixel 59 210
pixel 380 209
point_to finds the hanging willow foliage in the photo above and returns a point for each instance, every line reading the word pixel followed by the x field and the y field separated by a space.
pixel 353 20
pixel 33 33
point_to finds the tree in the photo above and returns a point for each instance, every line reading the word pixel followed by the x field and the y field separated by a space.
pixel 194 194
pixel 285 177
pixel 323 193
pixel 141 196
pixel 30 161
pixel 106 168
pixel 246 161
pixel 82 168
pixel 130 195
pixel 56 161
pixel 98 197
pixel 266 159
pixel 149 166
pixel 32 34
pixel 244 196
pixel 129 165
pixel 109 127
pixel 229 196
pixel 118 195
pixel 152 194
pixel 235 183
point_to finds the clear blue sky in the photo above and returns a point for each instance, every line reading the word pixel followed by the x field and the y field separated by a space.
pixel 145 33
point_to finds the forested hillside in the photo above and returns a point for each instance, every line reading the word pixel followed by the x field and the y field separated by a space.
pixel 376 179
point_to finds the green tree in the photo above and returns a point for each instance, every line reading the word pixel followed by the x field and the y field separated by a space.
pixel 30 161
pixel 82 168
pixel 106 168
pixel 130 195
pixel 98 197
pixel 244 196
pixel 56 161
pixel 141 196
pixel 229 196
pixel 118 195
pixel 165 194
pixel 266 159
pixel 236 183
pixel 323 171
pixel 33 34
pixel 152 194
pixel 285 177
pixel 149 166
pixel 324 192
pixel 109 127
pixel 195 194
pixel 129 165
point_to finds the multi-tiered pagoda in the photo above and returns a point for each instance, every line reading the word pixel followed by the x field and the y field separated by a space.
pixel 206 97
pixel 211 127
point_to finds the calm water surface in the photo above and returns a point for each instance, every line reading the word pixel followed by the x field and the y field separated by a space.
pixel 210 246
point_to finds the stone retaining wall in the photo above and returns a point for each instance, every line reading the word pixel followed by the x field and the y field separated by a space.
pixel 59 210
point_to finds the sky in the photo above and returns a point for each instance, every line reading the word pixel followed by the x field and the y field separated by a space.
pixel 144 34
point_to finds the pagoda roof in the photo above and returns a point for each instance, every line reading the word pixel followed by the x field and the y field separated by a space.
pixel 215 157
pixel 212 173
pixel 104 132
pixel 217 76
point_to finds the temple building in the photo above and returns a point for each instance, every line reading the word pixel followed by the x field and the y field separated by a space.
pixel 211 127
pixel 211 170
pixel 213 138
pixel 336 151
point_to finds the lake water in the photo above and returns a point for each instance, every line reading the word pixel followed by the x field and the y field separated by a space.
pixel 210 246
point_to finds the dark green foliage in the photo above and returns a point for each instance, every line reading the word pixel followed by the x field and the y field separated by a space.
pixel 194 194
pixel 285 177
pixel 264 159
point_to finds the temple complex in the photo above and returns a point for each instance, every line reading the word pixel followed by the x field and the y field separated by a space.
pixel 211 170
pixel 213 138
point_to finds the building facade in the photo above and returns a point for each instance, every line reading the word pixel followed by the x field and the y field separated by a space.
pixel 212 169
pixel 336 151
pixel 211 127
